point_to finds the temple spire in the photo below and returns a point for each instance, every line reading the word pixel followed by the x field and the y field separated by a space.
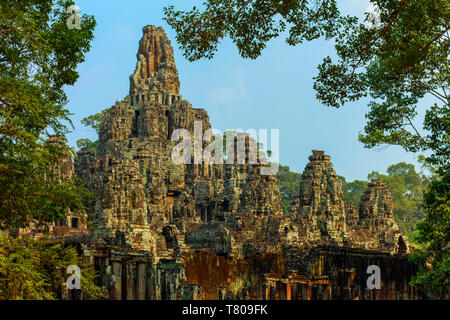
pixel 155 71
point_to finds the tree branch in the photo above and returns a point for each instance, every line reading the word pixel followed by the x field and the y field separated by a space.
pixel 246 3
pixel 382 33
pixel 439 96
pixel 4 32
pixel 324 4
pixel 417 132
pixel 434 39
pixel 420 137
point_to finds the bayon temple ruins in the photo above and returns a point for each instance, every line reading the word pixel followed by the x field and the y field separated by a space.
pixel 217 231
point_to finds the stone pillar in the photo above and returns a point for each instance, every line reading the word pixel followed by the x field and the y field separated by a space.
pixel 141 273
pixel 288 291
pixel 117 290
pixel 308 291
pixel 268 285
pixel 130 281
pixel 64 292
pixel 329 292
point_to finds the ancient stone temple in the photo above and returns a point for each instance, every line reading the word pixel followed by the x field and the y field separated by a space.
pixel 75 222
pixel 327 219
pixel 198 230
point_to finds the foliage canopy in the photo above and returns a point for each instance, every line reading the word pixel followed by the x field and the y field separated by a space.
pixel 38 57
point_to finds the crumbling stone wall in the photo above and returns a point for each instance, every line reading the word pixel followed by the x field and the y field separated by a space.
pixel 74 223
pixel 340 273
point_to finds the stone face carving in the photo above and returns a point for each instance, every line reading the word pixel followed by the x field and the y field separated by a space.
pixel 376 213
pixel 204 230
pixel 64 169
pixel 156 76
pixel 376 203
pixel 327 219
pixel 140 191
pixel 321 204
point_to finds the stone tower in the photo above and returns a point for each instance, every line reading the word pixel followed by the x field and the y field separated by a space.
pixel 156 76
pixel 321 200
pixel 201 230
pixel 146 200
pixel 376 213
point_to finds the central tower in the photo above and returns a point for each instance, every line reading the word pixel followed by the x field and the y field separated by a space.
pixel 156 76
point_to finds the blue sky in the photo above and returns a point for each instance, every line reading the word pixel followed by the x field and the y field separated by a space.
pixel 274 91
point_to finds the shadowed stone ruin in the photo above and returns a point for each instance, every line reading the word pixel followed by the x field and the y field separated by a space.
pixel 74 223
pixel 217 231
